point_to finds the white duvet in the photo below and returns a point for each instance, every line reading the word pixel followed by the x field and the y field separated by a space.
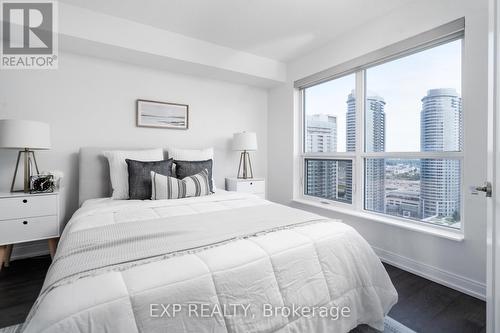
pixel 319 277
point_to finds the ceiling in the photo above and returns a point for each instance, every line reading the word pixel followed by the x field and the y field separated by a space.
pixel 278 29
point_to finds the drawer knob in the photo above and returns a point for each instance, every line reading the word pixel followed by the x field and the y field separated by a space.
pixel 25 222
pixel 25 200
pixel 251 183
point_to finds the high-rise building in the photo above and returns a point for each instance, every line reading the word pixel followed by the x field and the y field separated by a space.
pixel 374 142
pixel 350 140
pixel 321 137
pixel 440 130
pixel 351 122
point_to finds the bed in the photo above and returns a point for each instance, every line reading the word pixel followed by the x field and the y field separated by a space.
pixel 227 262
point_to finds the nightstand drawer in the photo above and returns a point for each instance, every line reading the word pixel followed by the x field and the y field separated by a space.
pixel 22 230
pixel 26 206
pixel 249 186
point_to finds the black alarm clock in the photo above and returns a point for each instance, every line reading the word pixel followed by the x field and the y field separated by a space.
pixel 41 184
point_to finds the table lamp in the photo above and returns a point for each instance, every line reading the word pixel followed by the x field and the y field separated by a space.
pixel 245 142
pixel 26 136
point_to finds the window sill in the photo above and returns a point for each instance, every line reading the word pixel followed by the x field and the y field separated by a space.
pixel 454 235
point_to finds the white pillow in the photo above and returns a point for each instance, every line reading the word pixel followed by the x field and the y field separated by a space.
pixel 118 169
pixel 193 155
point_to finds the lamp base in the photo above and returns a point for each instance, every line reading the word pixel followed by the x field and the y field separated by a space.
pixel 28 157
pixel 245 168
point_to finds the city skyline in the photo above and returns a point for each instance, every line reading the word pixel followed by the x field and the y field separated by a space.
pixel 427 189
pixel 412 104
pixel 402 83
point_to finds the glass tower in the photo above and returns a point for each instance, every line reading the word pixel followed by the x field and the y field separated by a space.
pixel 374 142
pixel 321 137
pixel 441 130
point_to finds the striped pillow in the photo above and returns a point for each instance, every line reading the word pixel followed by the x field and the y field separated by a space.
pixel 165 187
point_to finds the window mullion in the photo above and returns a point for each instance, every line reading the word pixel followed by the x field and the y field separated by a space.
pixel 332 155
pixel 357 177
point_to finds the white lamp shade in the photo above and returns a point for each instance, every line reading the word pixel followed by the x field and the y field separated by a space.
pixel 24 134
pixel 245 141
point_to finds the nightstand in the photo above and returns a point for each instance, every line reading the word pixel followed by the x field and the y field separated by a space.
pixel 28 217
pixel 255 186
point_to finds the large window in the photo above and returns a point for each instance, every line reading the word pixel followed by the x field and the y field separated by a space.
pixel 387 138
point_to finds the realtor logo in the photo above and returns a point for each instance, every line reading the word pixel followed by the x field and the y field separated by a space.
pixel 29 35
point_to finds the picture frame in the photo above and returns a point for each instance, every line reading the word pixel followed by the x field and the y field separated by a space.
pixel 157 114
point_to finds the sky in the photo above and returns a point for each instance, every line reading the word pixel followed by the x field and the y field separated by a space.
pixel 402 83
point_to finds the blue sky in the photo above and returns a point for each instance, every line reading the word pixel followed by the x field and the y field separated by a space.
pixel 402 83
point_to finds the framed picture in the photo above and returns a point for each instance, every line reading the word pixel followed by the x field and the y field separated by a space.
pixel 162 115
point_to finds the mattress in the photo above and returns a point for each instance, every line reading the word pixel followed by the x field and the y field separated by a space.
pixel 228 262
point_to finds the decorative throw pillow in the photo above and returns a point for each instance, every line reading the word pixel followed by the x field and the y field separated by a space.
pixel 139 176
pixel 184 169
pixel 118 170
pixel 165 187
pixel 193 155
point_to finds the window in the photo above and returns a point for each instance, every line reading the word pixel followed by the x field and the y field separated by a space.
pixel 327 124
pixel 329 179
pixel 425 190
pixel 409 98
pixel 403 144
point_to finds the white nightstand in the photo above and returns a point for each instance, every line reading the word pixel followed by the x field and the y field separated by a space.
pixel 28 217
pixel 255 186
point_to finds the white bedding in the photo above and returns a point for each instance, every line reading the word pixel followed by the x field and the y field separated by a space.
pixel 326 264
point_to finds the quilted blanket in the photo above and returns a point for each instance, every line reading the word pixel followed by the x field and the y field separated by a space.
pixel 223 263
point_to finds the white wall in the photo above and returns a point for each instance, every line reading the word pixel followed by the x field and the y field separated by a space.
pixel 460 264
pixel 91 102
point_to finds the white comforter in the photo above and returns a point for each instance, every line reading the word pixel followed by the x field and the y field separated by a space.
pixel 320 277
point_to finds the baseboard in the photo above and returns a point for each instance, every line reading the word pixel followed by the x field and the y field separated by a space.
pixel 31 249
pixel 451 280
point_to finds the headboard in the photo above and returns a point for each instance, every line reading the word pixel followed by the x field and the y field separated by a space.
pixel 94 181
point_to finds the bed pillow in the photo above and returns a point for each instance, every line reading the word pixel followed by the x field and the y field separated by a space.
pixel 184 169
pixel 165 187
pixel 193 155
pixel 118 170
pixel 139 176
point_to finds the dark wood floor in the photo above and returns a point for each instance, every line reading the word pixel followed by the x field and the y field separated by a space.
pixel 428 307
pixel 19 287
pixel 423 306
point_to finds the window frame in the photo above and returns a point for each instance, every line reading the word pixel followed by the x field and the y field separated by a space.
pixel 446 33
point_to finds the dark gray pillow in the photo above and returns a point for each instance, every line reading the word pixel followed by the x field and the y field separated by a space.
pixel 139 176
pixel 184 169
